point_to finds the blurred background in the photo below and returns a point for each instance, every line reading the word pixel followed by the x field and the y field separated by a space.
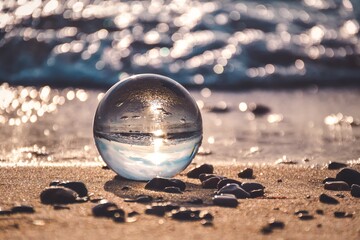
pixel 222 44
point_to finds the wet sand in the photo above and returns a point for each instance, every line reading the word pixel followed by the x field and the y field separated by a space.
pixel 299 190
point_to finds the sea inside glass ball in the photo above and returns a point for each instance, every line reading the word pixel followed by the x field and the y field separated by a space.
pixel 147 125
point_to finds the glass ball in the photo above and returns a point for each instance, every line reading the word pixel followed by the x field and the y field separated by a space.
pixel 147 125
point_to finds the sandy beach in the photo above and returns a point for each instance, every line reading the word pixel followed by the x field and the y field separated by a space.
pixel 299 189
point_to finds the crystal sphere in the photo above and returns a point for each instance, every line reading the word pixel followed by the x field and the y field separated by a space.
pixel 147 125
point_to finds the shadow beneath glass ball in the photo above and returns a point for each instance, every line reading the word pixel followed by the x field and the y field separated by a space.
pixel 129 189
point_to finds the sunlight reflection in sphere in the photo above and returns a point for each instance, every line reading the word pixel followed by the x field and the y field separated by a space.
pixel 146 126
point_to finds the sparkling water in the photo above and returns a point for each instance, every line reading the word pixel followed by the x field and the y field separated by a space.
pixel 146 126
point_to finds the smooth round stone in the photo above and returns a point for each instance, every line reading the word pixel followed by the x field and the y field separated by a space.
pixel 336 165
pixel 337 186
pixel 234 189
pixel 159 184
pixel 349 175
pixel 104 209
pixel 78 187
pixel 226 181
pixel 225 200
pixel 147 125
pixel 324 198
pixel 246 173
pixel 197 171
pixel 210 183
pixel 251 186
pixel 58 195
pixel 23 209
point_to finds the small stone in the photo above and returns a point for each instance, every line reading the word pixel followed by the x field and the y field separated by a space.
pixel 329 179
pixel 204 168
pixel 206 223
pixel 96 200
pixel 206 215
pixel 336 165
pixel 226 181
pixel 78 187
pixel 133 214
pixel 210 183
pixel 337 186
pixel 172 190
pixel 195 201
pixel 340 214
pixel 297 212
pixel 251 186
pixel 266 229
pixel 58 195
pixel 156 210
pixel 355 190
pixel 257 193
pixel 159 184
pixel 275 224
pixel 60 207
pixel 279 181
pixel 205 176
pixel 143 199
pixel 185 215
pixel 225 200
pixel 169 207
pixel 104 209
pixel 303 216
pixel 234 189
pixel 246 173
pixel 118 215
pixel 324 198
pixel 105 167
pixel 258 109
pixel 22 209
pixel 349 175
pixel 320 211
pixel 5 212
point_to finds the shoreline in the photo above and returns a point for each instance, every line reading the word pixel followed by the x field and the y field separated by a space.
pixel 299 189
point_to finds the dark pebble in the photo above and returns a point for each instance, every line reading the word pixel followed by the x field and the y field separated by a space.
pixel 96 200
pixel 303 216
pixel 105 167
pixel 169 207
pixel 348 175
pixel 204 168
pixel 320 211
pixel 104 209
pixel 246 173
pixel 355 190
pixel 257 193
pixel 324 198
pixel 336 165
pixel 206 215
pixel 225 200
pixel 22 209
pixel 226 181
pixel 186 215
pixel 195 201
pixel 60 207
pixel 140 199
pixel 337 186
pixel 133 214
pixel 58 195
pixel 205 176
pixel 340 214
pixel 207 223
pixel 5 212
pixel 118 215
pixel 78 187
pixel 251 186
pixel 301 212
pixel 210 183
pixel 159 184
pixel 279 181
pixel 275 224
pixel 258 109
pixel 156 210
pixel 329 179
pixel 266 229
pixel 234 189
pixel 172 190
